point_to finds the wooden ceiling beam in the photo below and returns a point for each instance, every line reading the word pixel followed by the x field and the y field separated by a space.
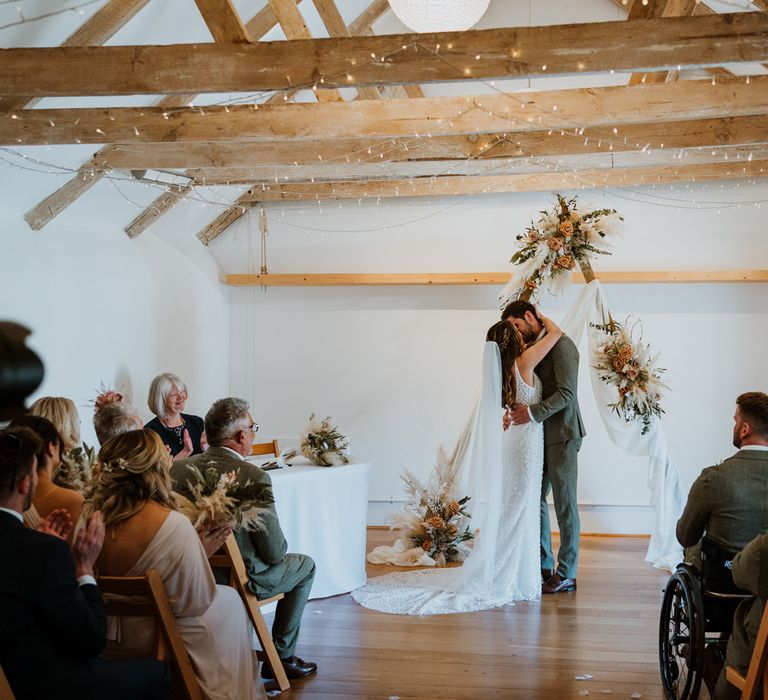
pixel 295 28
pixel 101 26
pixel 87 176
pixel 537 182
pixel 173 195
pixel 228 217
pixel 223 21
pixel 327 172
pixel 366 119
pixel 701 133
pixel 662 44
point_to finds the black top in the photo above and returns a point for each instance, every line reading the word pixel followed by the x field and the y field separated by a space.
pixel 173 437
pixel 49 626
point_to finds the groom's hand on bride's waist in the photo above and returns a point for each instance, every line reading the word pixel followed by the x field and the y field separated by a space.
pixel 506 421
pixel 519 415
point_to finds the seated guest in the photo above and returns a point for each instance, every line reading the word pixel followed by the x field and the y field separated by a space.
pixel 48 496
pixel 181 432
pixel 112 416
pixel 750 572
pixel 144 531
pixel 53 620
pixel 727 501
pixel 74 470
pixel 230 429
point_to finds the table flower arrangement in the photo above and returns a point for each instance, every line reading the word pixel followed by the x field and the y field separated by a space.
pixel 629 365
pixel 224 500
pixel 323 444
pixel 435 519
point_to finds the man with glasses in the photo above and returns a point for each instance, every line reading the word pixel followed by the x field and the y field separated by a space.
pixel 53 625
pixel 230 429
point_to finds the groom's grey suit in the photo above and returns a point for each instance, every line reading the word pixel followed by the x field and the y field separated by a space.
pixel 563 432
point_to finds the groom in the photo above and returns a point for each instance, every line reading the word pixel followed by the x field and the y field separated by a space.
pixel 563 432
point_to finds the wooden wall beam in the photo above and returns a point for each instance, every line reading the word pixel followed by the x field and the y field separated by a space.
pixel 484 184
pixel 497 113
pixel 493 278
pixel 661 44
pixel 154 211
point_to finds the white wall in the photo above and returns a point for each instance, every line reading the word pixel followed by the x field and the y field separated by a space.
pixel 398 367
pixel 103 308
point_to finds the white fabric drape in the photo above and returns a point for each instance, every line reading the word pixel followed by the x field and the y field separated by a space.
pixel 663 481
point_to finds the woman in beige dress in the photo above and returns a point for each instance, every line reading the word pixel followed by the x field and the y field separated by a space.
pixel 144 531
pixel 48 496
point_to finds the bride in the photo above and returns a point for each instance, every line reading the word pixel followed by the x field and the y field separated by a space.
pixel 501 471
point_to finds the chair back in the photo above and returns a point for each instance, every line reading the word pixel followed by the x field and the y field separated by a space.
pixel 265 448
pixel 756 679
pixel 145 596
pixel 229 557
pixel 6 693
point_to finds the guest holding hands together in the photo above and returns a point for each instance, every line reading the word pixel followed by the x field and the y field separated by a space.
pixel 54 625
pixel 182 433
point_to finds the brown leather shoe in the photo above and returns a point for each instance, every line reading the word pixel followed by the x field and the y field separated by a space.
pixel 547 574
pixel 294 668
pixel 555 584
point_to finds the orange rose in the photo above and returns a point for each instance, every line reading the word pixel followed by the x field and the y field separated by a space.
pixel 426 545
pixel 435 522
pixel 625 353
pixel 566 262
pixel 566 228
pixel 618 364
pixel 555 244
pixel 530 284
pixel 454 507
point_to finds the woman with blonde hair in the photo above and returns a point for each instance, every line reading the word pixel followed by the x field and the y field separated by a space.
pixel 144 531
pixel 183 433
pixel 74 472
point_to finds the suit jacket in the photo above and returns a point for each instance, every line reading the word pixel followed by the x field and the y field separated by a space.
pixel 262 549
pixel 750 572
pixel 729 502
pixel 49 626
pixel 559 406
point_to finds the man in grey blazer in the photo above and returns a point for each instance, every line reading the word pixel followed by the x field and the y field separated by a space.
pixel 563 433
pixel 729 502
pixel 230 429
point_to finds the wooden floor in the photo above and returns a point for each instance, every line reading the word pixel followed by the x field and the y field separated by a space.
pixel 608 629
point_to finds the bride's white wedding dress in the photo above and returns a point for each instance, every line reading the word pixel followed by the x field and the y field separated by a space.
pixel 501 471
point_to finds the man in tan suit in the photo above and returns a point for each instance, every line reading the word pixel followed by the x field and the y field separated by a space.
pixel 729 502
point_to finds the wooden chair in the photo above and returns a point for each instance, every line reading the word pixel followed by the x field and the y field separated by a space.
pixel 265 448
pixel 229 557
pixel 145 596
pixel 757 673
pixel 5 687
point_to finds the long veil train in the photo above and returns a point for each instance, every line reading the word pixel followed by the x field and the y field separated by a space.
pixel 481 582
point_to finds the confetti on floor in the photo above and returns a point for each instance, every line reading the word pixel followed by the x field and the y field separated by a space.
pixel 584 677
pixel 636 696
pixel 583 692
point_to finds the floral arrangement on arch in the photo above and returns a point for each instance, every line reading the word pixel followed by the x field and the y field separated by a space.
pixel 559 241
pixel 629 365
pixel 435 519
pixel 224 500
pixel 323 444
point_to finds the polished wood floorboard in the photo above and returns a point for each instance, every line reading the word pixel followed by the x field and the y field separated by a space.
pixel 608 629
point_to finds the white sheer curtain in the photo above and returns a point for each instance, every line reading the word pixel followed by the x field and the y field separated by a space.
pixel 666 497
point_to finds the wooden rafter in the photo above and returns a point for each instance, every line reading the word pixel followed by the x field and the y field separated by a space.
pixel 494 278
pixel 223 21
pixel 372 172
pixel 483 184
pixel 104 24
pixel 154 211
pixel 295 28
pixel 495 113
pixel 702 133
pixel 226 218
pixel 492 53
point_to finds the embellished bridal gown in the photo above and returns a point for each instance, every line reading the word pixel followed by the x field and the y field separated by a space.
pixel 501 471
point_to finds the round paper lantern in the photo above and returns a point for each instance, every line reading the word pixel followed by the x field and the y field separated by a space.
pixel 439 15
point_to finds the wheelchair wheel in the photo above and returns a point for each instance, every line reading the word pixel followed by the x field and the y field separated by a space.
pixel 681 637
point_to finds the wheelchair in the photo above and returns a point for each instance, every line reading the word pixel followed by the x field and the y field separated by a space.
pixel 697 610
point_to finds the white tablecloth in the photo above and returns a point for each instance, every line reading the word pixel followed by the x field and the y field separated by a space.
pixel 323 513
